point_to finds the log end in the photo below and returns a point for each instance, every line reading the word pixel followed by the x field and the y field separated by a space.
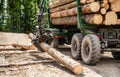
pixel 98 19
pixel 95 7
pixel 78 69
pixel 111 18
pixel 103 11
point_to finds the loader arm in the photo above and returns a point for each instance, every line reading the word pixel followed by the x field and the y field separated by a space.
pixel 40 35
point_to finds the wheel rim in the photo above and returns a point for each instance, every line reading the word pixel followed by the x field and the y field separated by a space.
pixel 87 50
pixel 74 46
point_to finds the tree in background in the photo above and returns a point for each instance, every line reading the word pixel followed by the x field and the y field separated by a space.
pixel 20 15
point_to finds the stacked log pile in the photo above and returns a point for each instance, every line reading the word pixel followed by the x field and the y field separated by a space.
pixel 97 12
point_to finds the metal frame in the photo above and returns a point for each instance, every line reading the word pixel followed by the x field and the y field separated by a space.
pixel 81 23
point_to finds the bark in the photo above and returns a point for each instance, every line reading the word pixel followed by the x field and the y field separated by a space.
pixel 105 1
pixel 110 1
pixel 110 18
pixel 64 7
pixel 90 8
pixel 66 61
pixel 65 13
pixel 86 1
pixel 115 6
pixel 65 21
pixel 25 47
pixel 59 3
pixel 93 19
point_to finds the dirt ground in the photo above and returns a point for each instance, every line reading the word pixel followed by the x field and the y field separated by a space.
pixel 44 65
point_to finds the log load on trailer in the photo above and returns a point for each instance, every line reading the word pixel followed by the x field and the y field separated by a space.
pixel 90 26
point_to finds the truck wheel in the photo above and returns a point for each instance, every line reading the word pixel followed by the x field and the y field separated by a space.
pixel 90 49
pixel 76 45
pixel 116 55
pixel 55 43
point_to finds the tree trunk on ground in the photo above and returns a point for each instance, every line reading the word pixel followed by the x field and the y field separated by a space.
pixel 115 6
pixel 65 21
pixel 64 7
pixel 59 3
pixel 93 19
pixel 91 7
pixel 65 13
pixel 110 18
pixel 66 61
pixel 30 47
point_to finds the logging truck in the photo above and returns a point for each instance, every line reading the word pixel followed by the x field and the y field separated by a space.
pixel 91 27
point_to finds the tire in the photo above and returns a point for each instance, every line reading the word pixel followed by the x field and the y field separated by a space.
pixel 55 43
pixel 76 45
pixel 116 55
pixel 90 49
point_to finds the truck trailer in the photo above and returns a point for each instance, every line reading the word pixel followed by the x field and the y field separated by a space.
pixel 91 27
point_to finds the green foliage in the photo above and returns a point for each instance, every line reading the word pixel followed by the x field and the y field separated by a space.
pixel 20 15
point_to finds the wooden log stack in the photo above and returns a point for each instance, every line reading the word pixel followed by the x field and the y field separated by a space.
pixel 96 12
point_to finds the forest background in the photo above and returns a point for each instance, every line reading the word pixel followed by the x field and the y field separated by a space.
pixel 19 15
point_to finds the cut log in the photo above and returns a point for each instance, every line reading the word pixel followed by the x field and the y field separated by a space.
pixel 25 47
pixel 65 21
pixel 93 19
pixel 64 7
pixel 103 11
pixel 86 1
pixel 91 7
pixel 106 6
pixel 66 61
pixel 59 3
pixel 110 18
pixel 105 1
pixel 118 22
pixel 115 6
pixel 111 1
pixel 65 13
pixel 88 8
